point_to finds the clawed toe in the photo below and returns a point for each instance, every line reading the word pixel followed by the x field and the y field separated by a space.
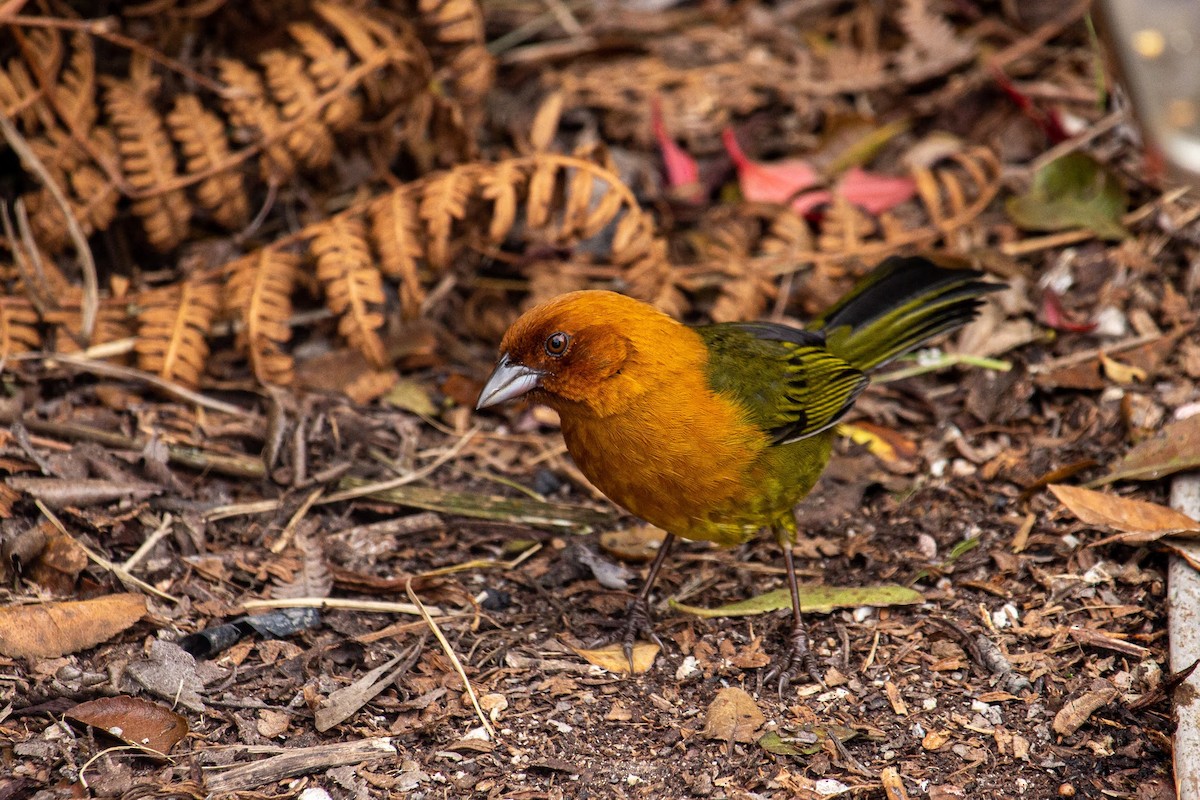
pixel 799 664
pixel 638 623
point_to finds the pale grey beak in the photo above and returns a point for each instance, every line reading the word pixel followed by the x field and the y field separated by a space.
pixel 508 380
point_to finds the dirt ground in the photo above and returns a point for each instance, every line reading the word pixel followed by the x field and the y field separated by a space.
pixel 216 585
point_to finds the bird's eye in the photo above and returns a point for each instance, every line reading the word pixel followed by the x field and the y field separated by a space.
pixel 556 344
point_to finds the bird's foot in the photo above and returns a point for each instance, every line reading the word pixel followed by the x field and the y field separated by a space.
pixel 799 665
pixel 638 623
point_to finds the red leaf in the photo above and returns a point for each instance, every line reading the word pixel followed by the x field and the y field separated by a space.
pixel 683 173
pixel 874 192
pixel 1050 123
pixel 769 183
pixel 1056 316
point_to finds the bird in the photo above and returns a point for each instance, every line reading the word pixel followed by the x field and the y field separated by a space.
pixel 716 432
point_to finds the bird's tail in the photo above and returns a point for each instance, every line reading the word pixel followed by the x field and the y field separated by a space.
pixel 901 304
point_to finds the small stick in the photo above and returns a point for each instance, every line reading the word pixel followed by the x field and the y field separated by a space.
pixel 116 569
pixel 450 654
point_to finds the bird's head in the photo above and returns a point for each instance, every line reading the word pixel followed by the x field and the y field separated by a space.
pixel 576 350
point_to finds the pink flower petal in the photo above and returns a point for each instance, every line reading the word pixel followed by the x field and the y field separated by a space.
pixel 873 192
pixel 682 170
pixel 769 183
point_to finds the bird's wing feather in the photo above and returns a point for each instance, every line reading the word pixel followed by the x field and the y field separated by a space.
pixel 790 384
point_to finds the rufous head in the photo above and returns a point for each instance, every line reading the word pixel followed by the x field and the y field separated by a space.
pixel 575 348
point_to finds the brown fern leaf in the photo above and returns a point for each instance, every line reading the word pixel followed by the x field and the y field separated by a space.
pixel 473 72
pixel 353 287
pixel 452 21
pixel 248 107
pixel 112 324
pixel 396 233
pixel 365 36
pixel 18 328
pixel 259 294
pixel 443 203
pixel 952 202
pixel 457 25
pixel 148 163
pixel 746 285
pixel 41 280
pixel 501 184
pixel 653 279
pixel 75 91
pixel 173 327
pixel 308 138
pixel 633 237
pixel 540 200
pixel 44 50
pixel 91 196
pixel 18 92
pixel 328 64
pixel 200 135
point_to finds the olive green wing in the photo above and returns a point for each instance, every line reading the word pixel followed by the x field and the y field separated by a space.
pixel 790 384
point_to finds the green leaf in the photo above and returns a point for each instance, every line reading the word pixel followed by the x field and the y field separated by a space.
pixel 1074 191
pixel 806 742
pixel 772 742
pixel 814 599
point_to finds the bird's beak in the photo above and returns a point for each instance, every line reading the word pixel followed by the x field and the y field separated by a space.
pixel 508 380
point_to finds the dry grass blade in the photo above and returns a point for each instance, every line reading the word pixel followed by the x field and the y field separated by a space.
pixel 450 654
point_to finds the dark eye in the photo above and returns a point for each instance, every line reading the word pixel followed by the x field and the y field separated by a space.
pixel 556 343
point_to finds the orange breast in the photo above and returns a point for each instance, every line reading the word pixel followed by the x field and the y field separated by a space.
pixel 682 459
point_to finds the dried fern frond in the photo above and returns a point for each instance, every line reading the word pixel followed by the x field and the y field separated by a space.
pixel 744 284
pixel 248 108
pixel 148 162
pixel 173 327
pixel 112 324
pixel 75 91
pixel 353 287
pixel 652 278
pixel 18 327
pixel 308 139
pixel 18 95
pixel 200 135
pixel 259 294
pixel 443 203
pixel 328 65
pixel 396 233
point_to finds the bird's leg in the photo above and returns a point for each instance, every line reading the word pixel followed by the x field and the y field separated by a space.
pixel 800 660
pixel 638 620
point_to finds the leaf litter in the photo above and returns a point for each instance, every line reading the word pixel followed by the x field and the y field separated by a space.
pixel 483 196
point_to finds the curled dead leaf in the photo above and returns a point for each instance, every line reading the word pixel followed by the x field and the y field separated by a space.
pixel 733 716
pixel 612 657
pixel 49 630
pixel 1136 520
pixel 141 723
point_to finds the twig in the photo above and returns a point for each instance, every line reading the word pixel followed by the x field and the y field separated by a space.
pixel 154 538
pixel 370 606
pixel 1077 141
pixel 394 483
pixel 290 530
pixel 234 465
pixel 1094 352
pixel 450 654
pixel 87 264
pixel 129 373
pixel 116 569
